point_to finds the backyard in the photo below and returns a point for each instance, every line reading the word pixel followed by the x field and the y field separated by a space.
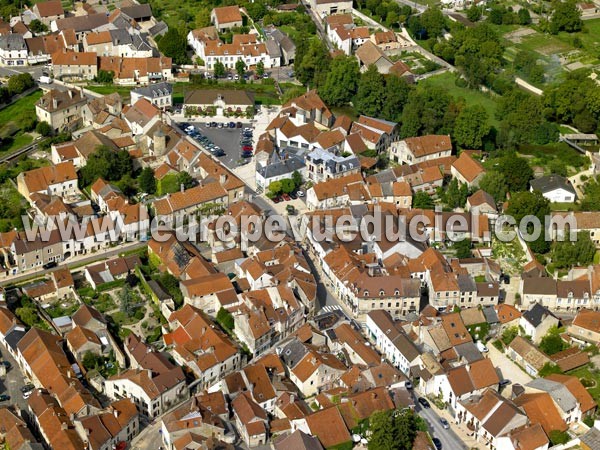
pixel 447 81
pixel 590 378
pixel 12 120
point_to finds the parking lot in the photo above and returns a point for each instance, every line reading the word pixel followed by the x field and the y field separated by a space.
pixel 228 139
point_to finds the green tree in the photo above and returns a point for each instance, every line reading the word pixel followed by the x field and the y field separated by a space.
pixel 185 179
pixel 371 92
pixel 37 27
pixel 428 111
pixel 494 184
pixel 275 187
pixel 219 69
pixel 471 127
pixel 397 91
pixel 90 360
pixel 225 319
pixel 43 128
pixel 516 171
pixel 260 69
pixel 312 70
pixel 558 437
pixel 549 369
pixel 528 203
pixel 341 82
pixel 240 68
pixel 107 164
pixel 147 180
pixel 552 343
pixel 509 334
pixel 434 22
pixel 105 76
pixel 456 194
pixel 591 198
pixel 474 13
pixel 578 253
pixel 174 45
pixel 524 16
pixel 202 18
pixel 462 248
pixel 393 430
pixel 565 17
pixel 287 186
pixel 297 179
pixel 20 83
pixel 127 300
pixel 422 200
pixel 531 203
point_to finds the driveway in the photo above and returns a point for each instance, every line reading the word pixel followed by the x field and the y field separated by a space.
pixel 507 369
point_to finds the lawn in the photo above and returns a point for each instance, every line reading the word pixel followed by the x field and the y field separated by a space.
pixel 105 89
pixel 544 155
pixel 264 93
pixel 12 136
pixel 589 378
pixel 446 80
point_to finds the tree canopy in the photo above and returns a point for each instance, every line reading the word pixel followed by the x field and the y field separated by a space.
pixel 174 45
pixel 393 430
pixel 471 127
pixel 107 164
pixel 578 253
pixel 371 92
pixel 494 183
pixel 341 82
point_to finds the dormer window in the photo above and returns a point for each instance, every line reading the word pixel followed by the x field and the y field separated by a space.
pixel 396 292
pixel 366 293
pixel 381 293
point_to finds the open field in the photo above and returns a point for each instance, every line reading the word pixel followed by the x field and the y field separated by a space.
pixel 12 136
pixel 446 80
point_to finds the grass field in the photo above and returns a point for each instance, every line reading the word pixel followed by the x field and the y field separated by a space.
pixel 446 80
pixel 12 136
pixel 104 89
pixel 592 377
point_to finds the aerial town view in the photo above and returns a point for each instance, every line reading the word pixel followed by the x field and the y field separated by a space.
pixel 299 224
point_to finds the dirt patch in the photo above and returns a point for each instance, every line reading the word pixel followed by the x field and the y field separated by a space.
pixel 518 35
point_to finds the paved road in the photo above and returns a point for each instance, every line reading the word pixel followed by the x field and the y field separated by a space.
pixel 506 368
pixel 450 441
pixel 73 263
pixel 12 383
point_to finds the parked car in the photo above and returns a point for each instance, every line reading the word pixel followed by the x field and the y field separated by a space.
pixel 424 402
pixel 4 398
pixel 437 443
pixel 408 385
pixel 231 124
pixel 230 77
pixel 265 76
pixel 28 388
pixel 247 154
pixel 50 265
pixel 7 364
pixel 300 193
pixel 219 152
pixel 444 423
pixel 239 124
pixel 276 199
pixel 247 148
pixel 481 347
pixel 286 197
pixel 293 195
pixel 290 210
pixel 219 125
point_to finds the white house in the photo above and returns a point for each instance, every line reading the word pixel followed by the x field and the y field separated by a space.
pixel 555 188
pixel 391 341
pixel 13 50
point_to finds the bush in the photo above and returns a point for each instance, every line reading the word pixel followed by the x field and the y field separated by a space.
pixel 559 437
pixel 139 314
pixel 43 128
pixel 498 344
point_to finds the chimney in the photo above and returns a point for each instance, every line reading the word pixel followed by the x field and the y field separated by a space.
pixel 54 103
pixel 115 413
pixel 70 93
pixel 223 178
pixel 181 187
pixel 64 426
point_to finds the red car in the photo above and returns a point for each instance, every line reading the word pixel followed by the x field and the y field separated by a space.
pixel 247 148
pixel 286 197
pixel 276 199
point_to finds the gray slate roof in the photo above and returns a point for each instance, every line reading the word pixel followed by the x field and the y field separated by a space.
pixel 558 391
pixel 537 314
pixel 154 90
pixel 12 42
pixel 551 183
pixel 287 166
